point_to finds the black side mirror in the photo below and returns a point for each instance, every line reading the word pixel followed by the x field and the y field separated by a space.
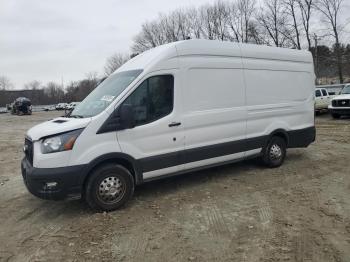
pixel 127 119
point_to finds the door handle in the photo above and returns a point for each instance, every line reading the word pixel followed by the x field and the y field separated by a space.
pixel 174 124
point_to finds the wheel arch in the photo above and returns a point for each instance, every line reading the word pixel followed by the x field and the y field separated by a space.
pixel 117 158
pixel 280 133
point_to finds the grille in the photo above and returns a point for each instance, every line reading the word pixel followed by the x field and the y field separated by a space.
pixel 28 151
pixel 341 103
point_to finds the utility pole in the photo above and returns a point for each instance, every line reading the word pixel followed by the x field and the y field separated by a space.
pixel 62 88
pixel 316 56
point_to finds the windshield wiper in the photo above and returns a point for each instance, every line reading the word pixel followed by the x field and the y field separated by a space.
pixel 75 116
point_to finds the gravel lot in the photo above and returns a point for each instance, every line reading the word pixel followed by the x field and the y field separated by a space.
pixel 238 212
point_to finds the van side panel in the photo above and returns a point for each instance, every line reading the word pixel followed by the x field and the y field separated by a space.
pixel 279 95
pixel 213 103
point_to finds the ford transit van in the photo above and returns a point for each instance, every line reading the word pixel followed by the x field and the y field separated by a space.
pixel 174 109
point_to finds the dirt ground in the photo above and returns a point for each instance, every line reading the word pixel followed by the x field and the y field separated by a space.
pixel 238 212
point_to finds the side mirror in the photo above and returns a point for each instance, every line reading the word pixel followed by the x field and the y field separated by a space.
pixel 127 119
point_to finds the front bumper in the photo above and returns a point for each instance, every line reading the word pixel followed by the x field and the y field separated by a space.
pixel 69 181
pixel 339 110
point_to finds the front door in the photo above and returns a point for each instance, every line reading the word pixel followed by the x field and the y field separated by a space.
pixel 318 99
pixel 158 137
pixel 325 98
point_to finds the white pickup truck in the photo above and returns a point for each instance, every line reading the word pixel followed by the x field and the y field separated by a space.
pixel 340 105
pixel 322 100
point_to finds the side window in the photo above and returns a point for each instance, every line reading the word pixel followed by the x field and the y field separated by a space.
pixel 161 96
pixel 324 92
pixel 152 99
pixel 138 100
pixel 318 93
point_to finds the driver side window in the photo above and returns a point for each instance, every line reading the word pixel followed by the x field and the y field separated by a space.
pixel 152 99
pixel 318 93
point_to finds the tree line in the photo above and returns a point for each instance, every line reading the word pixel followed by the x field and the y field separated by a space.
pixel 51 93
pixel 294 24
pixel 298 24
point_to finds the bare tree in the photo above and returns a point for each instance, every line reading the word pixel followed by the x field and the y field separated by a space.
pixel 175 26
pixel 306 7
pixel 194 23
pixel 292 12
pixel 183 24
pixel 5 83
pixel 255 35
pixel 233 22
pixel 71 92
pixel 54 92
pixel 220 16
pixel 241 21
pixel 151 35
pixel 114 62
pixel 330 10
pixel 207 18
pixel 33 85
pixel 37 94
pixel 93 76
pixel 246 10
pixel 273 19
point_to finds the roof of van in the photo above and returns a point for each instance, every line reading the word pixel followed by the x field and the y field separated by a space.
pixel 225 48
pixel 215 48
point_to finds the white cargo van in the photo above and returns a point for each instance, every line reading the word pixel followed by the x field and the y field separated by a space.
pixel 174 109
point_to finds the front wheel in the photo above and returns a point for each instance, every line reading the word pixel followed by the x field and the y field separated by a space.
pixel 109 187
pixel 274 153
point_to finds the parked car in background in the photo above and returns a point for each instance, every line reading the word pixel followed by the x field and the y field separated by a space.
pixel 72 105
pixel 322 100
pixel 49 108
pixel 3 110
pixel 340 105
pixel 61 106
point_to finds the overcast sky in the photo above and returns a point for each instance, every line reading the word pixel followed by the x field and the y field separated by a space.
pixel 47 40
pixel 54 39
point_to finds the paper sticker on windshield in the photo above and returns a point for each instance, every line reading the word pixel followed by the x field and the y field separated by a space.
pixel 107 98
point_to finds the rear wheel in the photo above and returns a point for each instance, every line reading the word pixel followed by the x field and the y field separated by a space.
pixel 109 187
pixel 335 115
pixel 274 152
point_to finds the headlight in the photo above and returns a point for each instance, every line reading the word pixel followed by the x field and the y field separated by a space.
pixel 52 143
pixel 62 142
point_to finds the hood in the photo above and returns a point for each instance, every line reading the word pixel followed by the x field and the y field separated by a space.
pixel 345 96
pixel 56 126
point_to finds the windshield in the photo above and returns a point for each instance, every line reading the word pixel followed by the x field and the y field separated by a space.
pixel 346 90
pixel 103 95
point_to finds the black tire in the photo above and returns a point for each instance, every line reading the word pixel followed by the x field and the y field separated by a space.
pixel 335 115
pixel 274 152
pixel 105 181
